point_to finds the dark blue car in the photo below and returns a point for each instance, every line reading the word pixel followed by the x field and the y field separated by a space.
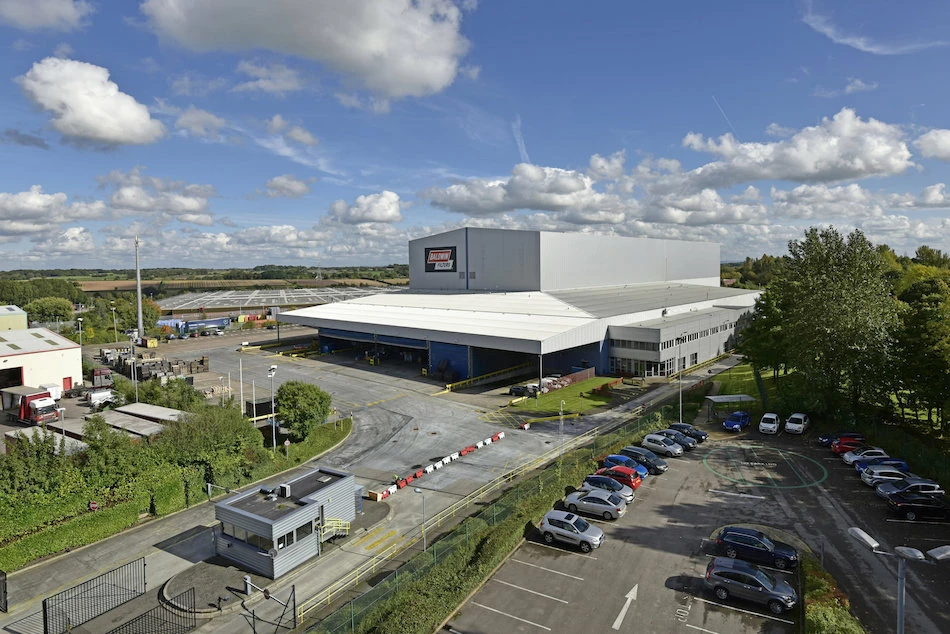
pixel 900 465
pixel 614 460
pixel 825 440
pixel 685 428
pixel 736 421
pixel 752 545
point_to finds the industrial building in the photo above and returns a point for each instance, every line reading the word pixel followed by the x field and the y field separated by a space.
pixel 40 357
pixel 482 300
pixel 12 318
pixel 271 530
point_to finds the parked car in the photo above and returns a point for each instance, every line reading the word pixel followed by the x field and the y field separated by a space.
pixel 624 475
pixel 733 578
pixel 825 440
pixel 736 421
pixel 662 444
pixel 681 439
pixel 917 506
pixel 604 483
pixel 756 546
pixel 770 424
pixel 518 390
pixel 647 458
pixel 910 485
pixel 571 529
pixel 615 459
pixel 846 444
pixel 861 465
pixel 797 423
pixel 685 428
pixel 876 474
pixel 219 333
pixel 597 502
pixel 863 453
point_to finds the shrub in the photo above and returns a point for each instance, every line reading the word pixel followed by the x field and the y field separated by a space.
pixel 827 609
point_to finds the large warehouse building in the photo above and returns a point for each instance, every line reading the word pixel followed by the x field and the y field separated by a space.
pixel 482 300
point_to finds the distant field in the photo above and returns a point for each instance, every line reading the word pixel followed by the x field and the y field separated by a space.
pixel 93 286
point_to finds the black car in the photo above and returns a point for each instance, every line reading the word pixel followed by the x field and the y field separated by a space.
pixel 518 390
pixel 685 428
pixel 681 439
pixel 917 506
pixel 647 458
pixel 753 545
pixel 825 440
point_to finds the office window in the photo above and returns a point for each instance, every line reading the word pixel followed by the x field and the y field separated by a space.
pixel 304 531
pixel 285 540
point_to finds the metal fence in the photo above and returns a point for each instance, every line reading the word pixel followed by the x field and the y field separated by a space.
pixel 348 618
pixel 3 591
pixel 163 619
pixel 84 602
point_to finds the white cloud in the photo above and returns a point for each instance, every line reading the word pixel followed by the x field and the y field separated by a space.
pixel 135 193
pixel 274 78
pixel 393 48
pixel 931 197
pixel 194 85
pixel 301 135
pixel 369 104
pixel 935 144
pixel 610 167
pixel 74 241
pixel 34 212
pixel 56 15
pixel 854 85
pixel 86 106
pixel 817 202
pixel 840 148
pixel 64 49
pixel 823 24
pixel 200 123
pixel 276 124
pixel 519 140
pixel 381 207
pixel 288 186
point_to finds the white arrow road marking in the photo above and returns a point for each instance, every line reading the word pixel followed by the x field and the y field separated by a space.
pixel 631 596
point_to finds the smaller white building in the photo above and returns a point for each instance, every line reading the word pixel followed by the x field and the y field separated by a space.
pixel 37 356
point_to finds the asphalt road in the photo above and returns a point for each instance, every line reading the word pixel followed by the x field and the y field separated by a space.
pixel 648 574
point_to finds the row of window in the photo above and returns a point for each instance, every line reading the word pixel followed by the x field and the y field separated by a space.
pixel 652 346
pixel 264 543
pixel 639 367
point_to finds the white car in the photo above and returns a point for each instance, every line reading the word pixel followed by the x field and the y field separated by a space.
pixel 770 424
pixel 865 453
pixel 797 423
pixel 662 445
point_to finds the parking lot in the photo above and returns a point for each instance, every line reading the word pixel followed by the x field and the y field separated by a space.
pixel 648 575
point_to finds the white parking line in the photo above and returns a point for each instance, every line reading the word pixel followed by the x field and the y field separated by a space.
pixel 738 495
pixel 561 550
pixel 729 607
pixel 546 596
pixel 511 616
pixel 555 572
pixel 701 629
pixel 916 522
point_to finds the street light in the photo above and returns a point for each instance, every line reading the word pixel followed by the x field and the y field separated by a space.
pixel 273 421
pixel 422 493
pixel 903 554
pixel 79 319
pixel 115 326
pixel 679 356
pixel 560 430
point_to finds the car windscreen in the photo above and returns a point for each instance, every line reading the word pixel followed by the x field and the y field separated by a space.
pixel 613 499
pixel 581 524
pixel 649 454
pixel 767 580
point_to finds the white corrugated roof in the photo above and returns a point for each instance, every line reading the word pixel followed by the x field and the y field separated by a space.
pixel 32 340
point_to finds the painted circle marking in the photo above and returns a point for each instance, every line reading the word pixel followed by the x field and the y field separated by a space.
pixel 772 456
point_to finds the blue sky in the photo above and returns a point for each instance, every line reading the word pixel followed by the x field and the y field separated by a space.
pixel 238 132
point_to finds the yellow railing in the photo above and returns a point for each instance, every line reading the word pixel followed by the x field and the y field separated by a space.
pixel 335 526
pixel 483 377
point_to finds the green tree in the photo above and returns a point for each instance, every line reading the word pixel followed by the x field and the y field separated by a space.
pixel 839 315
pixel 112 462
pixel 49 309
pixel 763 338
pixel 302 407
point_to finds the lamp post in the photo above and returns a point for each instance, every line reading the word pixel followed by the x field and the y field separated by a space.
pixel 422 493
pixel 115 326
pixel 560 430
pixel 273 420
pixel 79 319
pixel 679 356
pixel 903 554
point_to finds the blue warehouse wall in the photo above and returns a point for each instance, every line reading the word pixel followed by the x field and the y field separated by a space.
pixel 485 360
pixel 448 361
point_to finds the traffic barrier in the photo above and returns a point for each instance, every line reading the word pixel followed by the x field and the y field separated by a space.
pixel 437 465
pixel 525 425
pixel 419 473
pixel 429 469
pixel 464 452
pixel 480 444
pixel 393 489
pixel 409 479
pixel 455 456
pixel 488 441
pixel 401 484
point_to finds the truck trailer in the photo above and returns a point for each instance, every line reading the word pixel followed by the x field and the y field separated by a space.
pixel 29 405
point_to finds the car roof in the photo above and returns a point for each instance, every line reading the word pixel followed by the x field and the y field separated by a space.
pixel 917 480
pixel 601 493
pixel 560 515
pixel 621 469
pixel 732 564
pixel 921 497
pixel 799 414
pixel 882 467
pixel 742 531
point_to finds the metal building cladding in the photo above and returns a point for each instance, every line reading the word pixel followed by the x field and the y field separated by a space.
pixel 37 356
pixel 482 300
pixel 271 530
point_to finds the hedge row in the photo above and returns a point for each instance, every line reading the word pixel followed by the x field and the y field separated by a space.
pixel 827 609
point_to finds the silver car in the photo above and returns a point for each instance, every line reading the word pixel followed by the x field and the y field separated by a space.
pixel 608 484
pixel 597 502
pixel 735 578
pixel 909 485
pixel 662 445
pixel 681 439
pixel 864 453
pixel 877 474
pixel 572 529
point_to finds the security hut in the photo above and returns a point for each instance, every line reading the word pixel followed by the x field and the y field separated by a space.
pixel 270 531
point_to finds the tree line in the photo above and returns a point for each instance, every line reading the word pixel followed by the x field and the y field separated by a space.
pixel 858 327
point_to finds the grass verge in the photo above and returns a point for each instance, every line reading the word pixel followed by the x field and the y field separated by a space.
pixel 827 609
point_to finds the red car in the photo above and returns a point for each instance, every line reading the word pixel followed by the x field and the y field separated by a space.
pixel 623 475
pixel 845 445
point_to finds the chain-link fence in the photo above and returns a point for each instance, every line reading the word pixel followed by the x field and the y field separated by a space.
pixel 348 619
